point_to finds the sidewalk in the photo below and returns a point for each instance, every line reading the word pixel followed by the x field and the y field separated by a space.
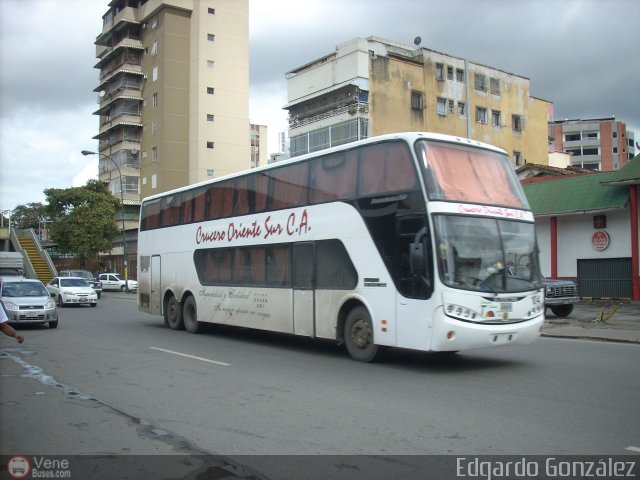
pixel 606 320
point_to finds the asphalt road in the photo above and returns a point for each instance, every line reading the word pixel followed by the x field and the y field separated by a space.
pixel 234 392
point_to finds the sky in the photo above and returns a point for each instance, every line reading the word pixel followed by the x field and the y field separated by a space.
pixel 582 55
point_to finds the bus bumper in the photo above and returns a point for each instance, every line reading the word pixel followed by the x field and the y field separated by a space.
pixel 450 334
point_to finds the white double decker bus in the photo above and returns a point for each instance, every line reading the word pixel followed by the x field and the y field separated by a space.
pixel 414 240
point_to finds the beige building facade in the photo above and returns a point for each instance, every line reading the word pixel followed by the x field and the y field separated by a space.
pixel 173 97
pixel 371 86
pixel 173 92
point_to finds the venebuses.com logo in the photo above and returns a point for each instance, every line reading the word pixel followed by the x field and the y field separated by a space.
pixel 38 467
pixel 18 467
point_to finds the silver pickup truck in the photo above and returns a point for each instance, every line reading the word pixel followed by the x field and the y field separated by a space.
pixel 560 296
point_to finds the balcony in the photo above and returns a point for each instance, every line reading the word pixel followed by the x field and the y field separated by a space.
pixel 127 15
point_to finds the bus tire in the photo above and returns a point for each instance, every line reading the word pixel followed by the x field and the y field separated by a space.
pixel 173 314
pixel 358 336
pixel 190 316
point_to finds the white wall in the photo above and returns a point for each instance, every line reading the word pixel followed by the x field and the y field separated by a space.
pixel 574 240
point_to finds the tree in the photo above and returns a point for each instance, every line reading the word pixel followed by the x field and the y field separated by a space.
pixel 83 219
pixel 28 216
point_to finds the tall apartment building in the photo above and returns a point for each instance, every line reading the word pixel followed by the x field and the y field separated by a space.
pixel 371 86
pixel 595 143
pixel 259 142
pixel 173 95
pixel 173 92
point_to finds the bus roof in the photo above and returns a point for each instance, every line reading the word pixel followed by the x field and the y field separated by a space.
pixel 410 137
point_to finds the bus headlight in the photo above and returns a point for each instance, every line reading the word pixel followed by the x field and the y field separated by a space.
pixel 461 313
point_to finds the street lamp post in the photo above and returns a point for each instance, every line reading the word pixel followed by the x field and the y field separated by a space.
pixel 124 240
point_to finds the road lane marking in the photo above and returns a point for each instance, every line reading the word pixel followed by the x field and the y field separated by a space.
pixel 633 449
pixel 190 356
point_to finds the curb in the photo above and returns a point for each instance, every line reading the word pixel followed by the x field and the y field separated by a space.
pixel 584 337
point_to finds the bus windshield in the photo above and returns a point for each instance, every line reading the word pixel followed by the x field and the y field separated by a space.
pixel 471 175
pixel 486 254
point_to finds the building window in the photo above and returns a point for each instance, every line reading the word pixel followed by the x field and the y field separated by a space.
pixel 460 75
pixel 154 74
pixel 209 144
pixel 154 154
pixel 154 127
pixel 572 137
pixel 480 82
pixel 481 115
pixel 155 99
pixel 210 117
pixel 449 72
pixel 416 101
pixel 615 149
pixel 441 106
pixel 462 109
pixel 154 22
pixel 452 107
pixel 211 37
pixel 210 63
pixel 212 11
pixel 615 134
pixel 439 71
pixel 590 151
pixel 154 48
pixel 154 180
pixel 495 86
pixel 210 90
pixel 517 159
pixel 516 123
pixel 592 135
pixel 496 119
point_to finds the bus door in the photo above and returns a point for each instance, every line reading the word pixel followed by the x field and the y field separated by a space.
pixel 303 289
pixel 155 294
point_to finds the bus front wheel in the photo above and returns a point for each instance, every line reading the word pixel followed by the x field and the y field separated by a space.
pixel 358 336
pixel 190 316
pixel 173 314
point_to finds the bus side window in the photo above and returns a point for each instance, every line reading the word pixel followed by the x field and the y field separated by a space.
pixel 199 204
pixel 290 186
pixel 241 204
pixel 261 193
pixel 151 215
pixel 170 211
pixel 386 167
pixel 333 177
pixel 220 200
pixel 278 266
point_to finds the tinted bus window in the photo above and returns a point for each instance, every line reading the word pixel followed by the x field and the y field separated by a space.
pixel 334 177
pixel 220 200
pixel 278 266
pixel 386 167
pixel 290 186
pixel 170 210
pixel 334 269
pixel 151 215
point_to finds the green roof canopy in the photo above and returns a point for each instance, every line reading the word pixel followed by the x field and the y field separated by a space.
pixel 576 194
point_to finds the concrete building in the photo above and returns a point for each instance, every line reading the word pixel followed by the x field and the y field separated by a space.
pixel 259 145
pixel 597 143
pixel 173 96
pixel 371 86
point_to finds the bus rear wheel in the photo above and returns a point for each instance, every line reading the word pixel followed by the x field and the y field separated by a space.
pixel 173 314
pixel 358 336
pixel 190 316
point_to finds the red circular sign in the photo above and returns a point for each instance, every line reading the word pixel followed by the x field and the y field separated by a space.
pixel 600 240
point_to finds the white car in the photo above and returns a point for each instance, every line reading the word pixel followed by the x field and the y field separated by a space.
pixel 114 282
pixel 72 290
pixel 27 301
